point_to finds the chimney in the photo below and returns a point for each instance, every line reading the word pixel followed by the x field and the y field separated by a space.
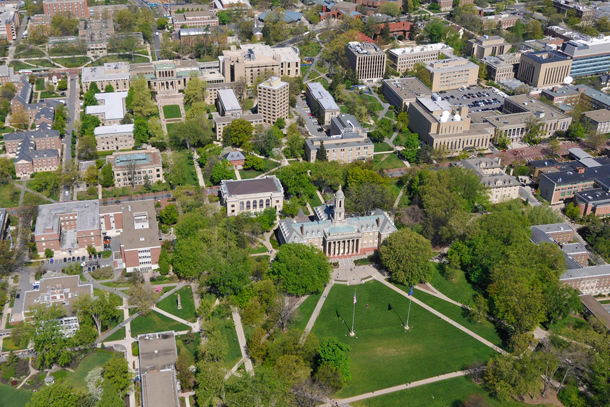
pixel 580 170
pixel 302 229
pixel 378 221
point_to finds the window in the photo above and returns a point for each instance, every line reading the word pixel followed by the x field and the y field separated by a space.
pixel 267 203
pixel 248 205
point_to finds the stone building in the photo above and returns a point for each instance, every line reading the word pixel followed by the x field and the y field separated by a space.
pixel 321 102
pixel 337 235
pixel 132 168
pixel 598 120
pixel 486 46
pixel 348 141
pixel 252 195
pixel 114 138
pixel 501 186
pixel 110 108
pixel 367 60
pixel 229 109
pixel 401 92
pixel 253 60
pixel 452 73
pixel 502 67
pixel 404 59
pixel 115 74
pixel 273 99
pixel 544 68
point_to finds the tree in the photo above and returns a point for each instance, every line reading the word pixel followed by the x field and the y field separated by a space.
pixel 49 342
pixel 280 123
pixel 110 396
pixel 48 253
pixel 210 381
pixel 101 309
pixel 87 149
pixel 597 140
pixel 300 269
pixel 169 215
pixel 194 91
pixel 20 119
pixel 554 146
pixel 141 295
pixel 139 99
pixel 254 162
pixel 140 130
pixel 222 170
pixel 535 131
pixel 161 23
pixel 109 88
pixel 238 134
pixel 59 394
pixel 7 170
pixel 335 354
pixel 295 144
pixel 63 25
pixel 572 211
pixel 89 96
pixel 107 176
pixel 390 9
pixel 406 255
pixel 435 30
pixel 363 198
pixel 321 156
pixel 116 371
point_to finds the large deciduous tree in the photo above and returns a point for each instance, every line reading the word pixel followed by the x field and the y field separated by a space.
pixel 300 269
pixel 406 255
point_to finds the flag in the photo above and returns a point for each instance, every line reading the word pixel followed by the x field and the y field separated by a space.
pixel 411 292
pixel 354 297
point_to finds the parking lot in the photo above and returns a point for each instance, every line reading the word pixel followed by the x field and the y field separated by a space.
pixel 477 99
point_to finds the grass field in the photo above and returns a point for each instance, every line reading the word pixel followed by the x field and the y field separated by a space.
pixel 181 158
pixel 9 195
pixel 446 393
pixel 119 58
pixel 384 354
pixel 117 336
pixel 12 397
pixel 72 62
pixel 458 290
pixel 171 111
pixel 268 166
pixel 381 147
pixel 301 315
pixel 154 322
pixel 30 199
pixel 40 84
pixel 170 304
pixel 91 361
pixel 386 161
pixel 233 352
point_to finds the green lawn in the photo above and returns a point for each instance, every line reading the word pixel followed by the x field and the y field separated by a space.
pixel 381 147
pixel 91 361
pixel 119 58
pixel 171 111
pixel 12 397
pixel 170 304
pixel 386 162
pixel 450 392
pixel 233 352
pixel 117 336
pixel 384 354
pixel 9 195
pixel 181 160
pixel 458 290
pixel 73 62
pixel 300 317
pixel 30 199
pixel 40 84
pixel 248 174
pixel 155 322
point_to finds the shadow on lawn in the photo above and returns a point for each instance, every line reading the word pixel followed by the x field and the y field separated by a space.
pixel 339 317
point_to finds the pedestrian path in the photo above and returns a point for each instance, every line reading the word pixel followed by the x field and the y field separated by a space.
pixel 241 338
pixel 316 311
pixel 193 325
pixel 393 389
pixel 441 316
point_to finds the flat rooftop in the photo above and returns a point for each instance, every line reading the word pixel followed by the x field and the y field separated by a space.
pixel 228 99
pixel 140 228
pixel 545 57
pixel 111 105
pixel 86 212
pixel 109 71
pixel 418 49
pixel 323 97
pixel 159 389
pixel 593 195
pixel 450 65
pixel 584 272
pixel 266 184
pixel 408 88
pixel 476 98
pixel 434 104
pixel 364 48
pixel 114 129
pixel 157 350
pixel 599 116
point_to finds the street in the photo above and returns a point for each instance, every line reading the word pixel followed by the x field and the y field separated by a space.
pixel 310 121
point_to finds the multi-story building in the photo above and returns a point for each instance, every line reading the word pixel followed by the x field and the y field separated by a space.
pixel 96 33
pixel 273 99
pixel 486 46
pixel 166 76
pixel 68 226
pixel 447 128
pixel 544 68
pixel 594 201
pixel 397 29
pixel 114 138
pixel 520 111
pixel 229 109
pixel 401 92
pixel 110 108
pixel 252 195
pixel 347 141
pixel 445 5
pixel 503 20
pixel 598 120
pixel 335 234
pixel 43 139
pixel 34 151
pixel 501 186
pixel 452 73
pixel 158 354
pixel 132 168
pixel 54 289
pixel 378 3
pixel 404 59
pixel 367 60
pixel 580 10
pixel 136 224
pixel 194 19
pixel 321 102
pixel 76 8
pixel 9 23
pixel 567 96
pixel 253 60
pixel 115 74
pixel 8 75
pixel 590 56
pixel 502 67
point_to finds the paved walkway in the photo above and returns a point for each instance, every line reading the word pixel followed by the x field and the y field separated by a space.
pixel 241 338
pixel 441 316
pixel 198 169
pixel 393 389
pixel 193 325
pixel 316 311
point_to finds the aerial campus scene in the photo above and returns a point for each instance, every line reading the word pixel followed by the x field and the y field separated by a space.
pixel 251 203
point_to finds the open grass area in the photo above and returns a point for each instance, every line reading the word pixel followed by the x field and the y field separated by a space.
pixel 40 84
pixel 8 344
pixel 72 62
pixel 459 289
pixel 381 147
pixel 90 362
pixel 382 353
pixel 119 58
pixel 182 160
pixel 299 319
pixel 309 48
pixel 28 52
pixel 450 392
pixel 117 336
pixel 30 199
pixel 9 195
pixel 12 397
pixel 233 351
pixel 267 166
pixel 171 111
pixel 155 322
pixel 568 326
pixel 387 161
pixel 170 304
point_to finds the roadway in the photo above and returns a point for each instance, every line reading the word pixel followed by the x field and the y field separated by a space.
pixel 311 123
pixel 73 110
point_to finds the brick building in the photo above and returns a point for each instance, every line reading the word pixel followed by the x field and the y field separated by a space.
pixel 76 8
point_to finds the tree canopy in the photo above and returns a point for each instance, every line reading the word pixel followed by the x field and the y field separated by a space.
pixel 300 269
pixel 406 255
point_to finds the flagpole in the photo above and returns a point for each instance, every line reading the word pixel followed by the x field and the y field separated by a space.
pixel 353 314
pixel 408 314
